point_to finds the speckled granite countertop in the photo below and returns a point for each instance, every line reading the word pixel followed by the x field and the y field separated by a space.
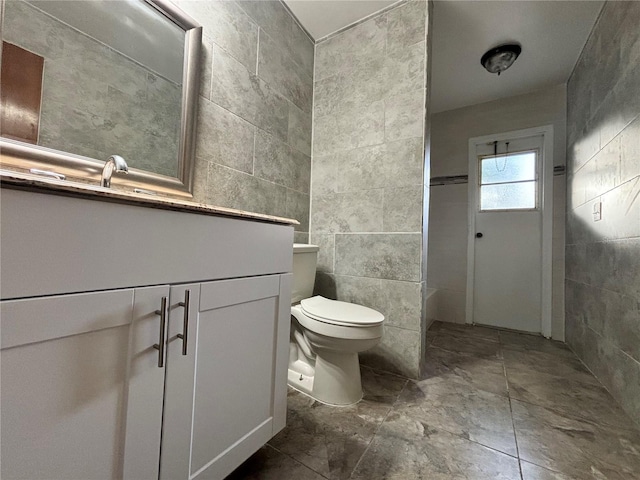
pixel 13 179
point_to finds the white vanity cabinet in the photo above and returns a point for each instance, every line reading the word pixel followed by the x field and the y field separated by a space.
pixel 226 396
pixel 81 388
pixel 84 393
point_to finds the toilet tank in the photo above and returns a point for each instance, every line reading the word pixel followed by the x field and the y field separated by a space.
pixel 305 258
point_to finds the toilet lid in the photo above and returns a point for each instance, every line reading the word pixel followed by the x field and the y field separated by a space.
pixel 340 313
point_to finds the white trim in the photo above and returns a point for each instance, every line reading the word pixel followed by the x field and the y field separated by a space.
pixel 546 208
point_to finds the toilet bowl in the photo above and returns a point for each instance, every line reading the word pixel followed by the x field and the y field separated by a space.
pixel 326 337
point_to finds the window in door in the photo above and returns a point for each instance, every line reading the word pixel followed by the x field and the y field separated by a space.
pixel 509 181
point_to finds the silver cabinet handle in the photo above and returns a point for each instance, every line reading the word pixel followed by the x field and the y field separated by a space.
pixel 163 320
pixel 185 321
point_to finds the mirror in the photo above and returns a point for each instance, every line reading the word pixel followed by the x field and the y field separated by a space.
pixel 84 80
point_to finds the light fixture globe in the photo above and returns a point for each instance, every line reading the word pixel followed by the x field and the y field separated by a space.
pixel 498 59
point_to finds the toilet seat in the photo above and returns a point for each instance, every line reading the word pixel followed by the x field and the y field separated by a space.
pixel 339 313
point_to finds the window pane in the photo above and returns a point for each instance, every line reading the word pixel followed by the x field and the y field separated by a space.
pixel 510 168
pixel 508 196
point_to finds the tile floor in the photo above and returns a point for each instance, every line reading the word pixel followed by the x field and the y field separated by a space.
pixel 491 405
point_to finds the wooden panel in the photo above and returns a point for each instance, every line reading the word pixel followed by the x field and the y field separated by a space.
pixel 21 92
pixel 62 407
pixel 77 245
pixel 146 386
pixel 237 454
pixel 219 404
pixel 178 404
pixel 94 391
pixel 234 378
pixel 231 292
pixel 281 365
pixel 39 319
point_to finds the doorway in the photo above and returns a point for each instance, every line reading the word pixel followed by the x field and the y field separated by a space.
pixel 509 245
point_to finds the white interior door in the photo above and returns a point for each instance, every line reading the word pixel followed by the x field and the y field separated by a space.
pixel 507 266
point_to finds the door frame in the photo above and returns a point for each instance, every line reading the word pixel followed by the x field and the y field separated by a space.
pixel 546 210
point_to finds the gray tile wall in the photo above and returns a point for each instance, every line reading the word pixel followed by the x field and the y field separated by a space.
pixel 451 131
pixel 603 258
pixel 368 174
pixel 254 128
pixel 97 102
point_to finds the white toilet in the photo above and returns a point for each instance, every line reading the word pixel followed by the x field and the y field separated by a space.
pixel 326 336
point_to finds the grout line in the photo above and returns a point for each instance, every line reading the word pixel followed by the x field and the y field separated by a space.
pixel 312 120
pixel 255 75
pixel 544 467
pixel 584 47
pixel 360 21
pixel 517 456
pixel 257 178
pixel 258 52
pixel 515 438
pixel 387 324
pixel 602 194
pixel 443 429
pixel 610 240
pixel 494 449
pixel 268 444
pixel 563 412
pixel 355 467
pixel 90 37
pixel 213 56
pixel 513 423
pixel 333 266
pixel 601 147
pixel 295 19
pixel 385 372
pixel 635 424
pixel 574 416
pixel 253 158
pixel 248 122
pixel 454 334
pixel 411 282
pixel 463 354
pixel 298 22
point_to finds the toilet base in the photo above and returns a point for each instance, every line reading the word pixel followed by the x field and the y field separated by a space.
pixel 335 381
pixel 300 382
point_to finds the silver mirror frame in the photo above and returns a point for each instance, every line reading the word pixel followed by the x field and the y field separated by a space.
pixel 23 156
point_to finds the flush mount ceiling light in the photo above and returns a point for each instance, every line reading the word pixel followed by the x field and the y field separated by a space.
pixel 498 59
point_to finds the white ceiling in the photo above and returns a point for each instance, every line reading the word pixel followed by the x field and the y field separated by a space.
pixel 322 17
pixel 552 34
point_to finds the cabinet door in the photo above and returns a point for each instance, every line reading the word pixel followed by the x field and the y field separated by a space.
pixel 145 382
pixel 232 374
pixel 177 420
pixel 67 363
